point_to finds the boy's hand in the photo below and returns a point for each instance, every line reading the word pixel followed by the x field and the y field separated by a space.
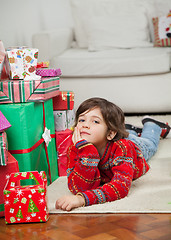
pixel 67 203
pixel 76 135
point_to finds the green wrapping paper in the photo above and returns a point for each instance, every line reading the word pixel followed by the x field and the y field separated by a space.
pixel 28 122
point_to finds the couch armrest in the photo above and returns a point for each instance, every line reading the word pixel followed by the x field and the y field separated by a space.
pixel 52 43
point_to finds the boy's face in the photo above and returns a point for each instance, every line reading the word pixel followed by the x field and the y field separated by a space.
pixel 93 128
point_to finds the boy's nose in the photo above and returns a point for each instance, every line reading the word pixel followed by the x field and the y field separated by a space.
pixel 86 125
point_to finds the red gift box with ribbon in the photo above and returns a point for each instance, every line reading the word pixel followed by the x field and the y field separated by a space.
pixel 63 101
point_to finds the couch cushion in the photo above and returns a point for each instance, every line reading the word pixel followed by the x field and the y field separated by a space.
pixel 105 33
pixel 110 23
pixel 76 62
pixel 162 28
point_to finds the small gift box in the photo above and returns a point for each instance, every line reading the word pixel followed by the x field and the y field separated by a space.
pixel 60 118
pixel 64 101
pixel 43 64
pixel 25 204
pixel 4 124
pixel 64 119
pixel 48 72
pixel 3 149
pixel 5 172
pixel 22 63
pixel 63 141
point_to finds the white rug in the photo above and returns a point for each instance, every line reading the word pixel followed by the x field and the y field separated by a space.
pixel 149 194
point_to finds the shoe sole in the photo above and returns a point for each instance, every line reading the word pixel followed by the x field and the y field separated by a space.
pixel 134 128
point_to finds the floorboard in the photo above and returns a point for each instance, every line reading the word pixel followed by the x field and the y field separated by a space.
pixel 92 227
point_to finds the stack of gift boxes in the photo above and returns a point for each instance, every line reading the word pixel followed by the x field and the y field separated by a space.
pixel 27 89
pixel 64 115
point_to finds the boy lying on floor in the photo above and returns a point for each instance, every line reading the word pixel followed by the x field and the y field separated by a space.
pixel 107 155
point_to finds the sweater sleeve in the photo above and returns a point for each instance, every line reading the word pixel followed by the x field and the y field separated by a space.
pixel 82 172
pixel 118 187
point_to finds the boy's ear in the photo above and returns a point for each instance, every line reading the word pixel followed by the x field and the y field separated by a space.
pixel 111 134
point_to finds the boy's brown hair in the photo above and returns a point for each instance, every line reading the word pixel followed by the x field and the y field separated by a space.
pixel 112 114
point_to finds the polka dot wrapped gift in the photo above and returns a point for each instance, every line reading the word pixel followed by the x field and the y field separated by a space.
pixel 25 204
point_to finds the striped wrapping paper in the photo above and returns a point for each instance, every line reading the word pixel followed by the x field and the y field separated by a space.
pixel 3 149
pixel 20 91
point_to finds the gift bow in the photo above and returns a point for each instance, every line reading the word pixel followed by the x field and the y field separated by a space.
pixel 46 136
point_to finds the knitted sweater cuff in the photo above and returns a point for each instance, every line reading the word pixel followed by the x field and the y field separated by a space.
pixel 85 198
pixel 82 143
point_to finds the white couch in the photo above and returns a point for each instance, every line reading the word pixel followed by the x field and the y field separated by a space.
pixel 109 53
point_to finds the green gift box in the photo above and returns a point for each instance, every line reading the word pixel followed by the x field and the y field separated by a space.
pixel 31 139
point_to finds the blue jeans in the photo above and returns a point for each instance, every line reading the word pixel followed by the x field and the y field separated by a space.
pixel 149 140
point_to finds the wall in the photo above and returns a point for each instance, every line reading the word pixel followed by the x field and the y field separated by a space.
pixel 22 18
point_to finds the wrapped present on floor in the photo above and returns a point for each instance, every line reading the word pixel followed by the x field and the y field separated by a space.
pixel 5 172
pixel 4 124
pixel 63 141
pixel 3 149
pixel 48 72
pixel 64 101
pixel 31 138
pixel 64 119
pixel 22 63
pixel 28 90
pixel 25 204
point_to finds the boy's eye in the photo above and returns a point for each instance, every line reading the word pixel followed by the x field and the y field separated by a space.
pixel 81 120
pixel 95 121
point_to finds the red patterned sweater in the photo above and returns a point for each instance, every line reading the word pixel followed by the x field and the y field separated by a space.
pixel 107 178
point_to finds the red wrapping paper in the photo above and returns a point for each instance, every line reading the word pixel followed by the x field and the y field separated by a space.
pixel 63 141
pixel 5 172
pixel 63 101
pixel 25 204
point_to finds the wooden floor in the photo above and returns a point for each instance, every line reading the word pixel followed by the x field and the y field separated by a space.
pixel 92 227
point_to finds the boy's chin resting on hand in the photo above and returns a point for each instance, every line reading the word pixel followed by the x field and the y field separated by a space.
pixel 67 203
